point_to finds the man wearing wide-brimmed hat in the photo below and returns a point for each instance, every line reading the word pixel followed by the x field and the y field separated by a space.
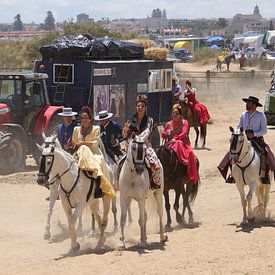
pixel 65 130
pixel 254 124
pixel 111 134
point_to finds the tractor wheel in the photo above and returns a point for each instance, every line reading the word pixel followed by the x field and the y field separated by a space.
pixel 16 154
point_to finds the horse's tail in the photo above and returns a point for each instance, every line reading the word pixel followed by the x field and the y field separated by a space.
pixel 195 186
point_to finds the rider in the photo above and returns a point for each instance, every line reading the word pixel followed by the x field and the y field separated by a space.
pixel 176 132
pixel 111 134
pixel 65 129
pixel 142 125
pixel 176 89
pixel 194 104
pixel 255 126
pixel 85 138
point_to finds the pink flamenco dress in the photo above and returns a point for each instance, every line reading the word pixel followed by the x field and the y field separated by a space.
pixel 199 108
pixel 181 146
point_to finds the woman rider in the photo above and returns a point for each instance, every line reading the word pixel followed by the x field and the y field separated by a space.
pixel 90 158
pixel 176 132
pixel 195 105
pixel 142 125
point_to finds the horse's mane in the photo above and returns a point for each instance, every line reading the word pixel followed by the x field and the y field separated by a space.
pixel 68 155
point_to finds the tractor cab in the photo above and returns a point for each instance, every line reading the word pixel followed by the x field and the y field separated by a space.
pixel 22 97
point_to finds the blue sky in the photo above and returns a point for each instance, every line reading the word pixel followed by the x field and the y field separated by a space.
pixel 35 10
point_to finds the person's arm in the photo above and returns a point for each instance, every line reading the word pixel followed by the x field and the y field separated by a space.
pixel 148 130
pixel 183 133
pixel 263 126
pixel 167 131
pixel 118 136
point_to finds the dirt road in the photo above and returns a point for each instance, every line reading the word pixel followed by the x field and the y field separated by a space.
pixel 215 244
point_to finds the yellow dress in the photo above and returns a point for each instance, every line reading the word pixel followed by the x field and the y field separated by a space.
pixel 90 158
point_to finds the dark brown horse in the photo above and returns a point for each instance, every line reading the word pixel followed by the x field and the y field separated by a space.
pixel 193 121
pixel 227 60
pixel 175 178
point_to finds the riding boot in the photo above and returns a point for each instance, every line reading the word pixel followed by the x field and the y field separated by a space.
pixel 98 191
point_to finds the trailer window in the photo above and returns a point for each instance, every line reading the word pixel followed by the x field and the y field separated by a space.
pixel 154 80
pixel 63 73
pixel 166 80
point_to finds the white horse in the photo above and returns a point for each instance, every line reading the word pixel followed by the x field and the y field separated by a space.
pixel 75 189
pixel 246 171
pixel 134 183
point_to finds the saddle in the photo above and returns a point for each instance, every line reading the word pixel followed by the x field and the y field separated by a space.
pixel 152 184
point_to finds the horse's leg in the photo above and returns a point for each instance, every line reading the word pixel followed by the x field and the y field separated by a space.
pixel 240 187
pixel 142 222
pixel 184 197
pixel 159 201
pixel 130 219
pixel 114 210
pixel 53 198
pixel 106 209
pixel 227 65
pixel 197 136
pixel 176 206
pixel 79 224
pixel 267 188
pixel 167 207
pixel 203 133
pixel 124 204
pixel 252 188
pixel 95 216
pixel 189 187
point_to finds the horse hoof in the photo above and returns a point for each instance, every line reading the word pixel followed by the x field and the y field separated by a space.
pixel 47 235
pixel 168 228
pixel 251 220
pixel 164 238
pixel 75 250
pixel 121 246
pixel 179 219
pixel 142 245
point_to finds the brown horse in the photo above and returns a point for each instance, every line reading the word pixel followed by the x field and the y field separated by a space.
pixel 227 60
pixel 175 178
pixel 193 121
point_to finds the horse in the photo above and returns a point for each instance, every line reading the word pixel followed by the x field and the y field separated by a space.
pixel 242 59
pixel 53 187
pixel 226 60
pixel 246 171
pixel 76 189
pixel 175 177
pixel 134 183
pixel 193 121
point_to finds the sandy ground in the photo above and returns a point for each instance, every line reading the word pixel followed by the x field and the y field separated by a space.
pixel 214 244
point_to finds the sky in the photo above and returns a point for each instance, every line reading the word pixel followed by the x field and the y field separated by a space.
pixel 36 10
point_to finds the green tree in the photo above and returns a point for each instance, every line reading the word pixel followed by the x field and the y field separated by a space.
pixel 49 22
pixel 17 24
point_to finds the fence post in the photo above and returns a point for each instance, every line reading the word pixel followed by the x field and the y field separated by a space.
pixel 208 79
pixel 252 76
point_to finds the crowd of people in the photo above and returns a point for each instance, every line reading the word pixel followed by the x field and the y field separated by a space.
pixel 82 138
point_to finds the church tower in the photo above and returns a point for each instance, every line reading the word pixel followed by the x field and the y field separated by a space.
pixel 256 10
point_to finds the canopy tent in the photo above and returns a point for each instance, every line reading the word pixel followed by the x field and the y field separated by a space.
pixel 215 39
pixel 182 45
pixel 216 47
pixel 182 50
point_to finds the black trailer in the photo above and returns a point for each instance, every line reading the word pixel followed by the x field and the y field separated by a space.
pixel 110 84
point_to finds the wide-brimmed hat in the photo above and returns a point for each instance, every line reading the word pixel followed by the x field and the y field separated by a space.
pixel 253 99
pixel 67 111
pixel 103 115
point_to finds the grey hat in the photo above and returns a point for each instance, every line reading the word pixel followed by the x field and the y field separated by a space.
pixel 102 115
pixel 67 111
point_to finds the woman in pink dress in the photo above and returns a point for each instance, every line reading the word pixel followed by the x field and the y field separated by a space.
pixel 176 132
pixel 196 106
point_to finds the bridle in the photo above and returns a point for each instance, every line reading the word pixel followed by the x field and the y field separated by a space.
pixel 138 151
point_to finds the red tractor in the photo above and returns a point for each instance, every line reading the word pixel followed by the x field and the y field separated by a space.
pixel 25 113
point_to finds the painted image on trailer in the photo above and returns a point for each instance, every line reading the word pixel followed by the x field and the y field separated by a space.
pixel 117 100
pixel 101 98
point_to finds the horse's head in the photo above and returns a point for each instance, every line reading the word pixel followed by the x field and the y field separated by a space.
pixel 237 141
pixel 47 159
pixel 137 151
pixel 234 56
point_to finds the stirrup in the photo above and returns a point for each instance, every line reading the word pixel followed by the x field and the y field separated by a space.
pixel 154 186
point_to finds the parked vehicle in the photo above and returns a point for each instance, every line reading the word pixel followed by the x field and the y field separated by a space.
pixel 25 113
pixel 269 106
pixel 183 55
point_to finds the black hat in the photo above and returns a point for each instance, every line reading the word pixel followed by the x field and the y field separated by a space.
pixel 253 99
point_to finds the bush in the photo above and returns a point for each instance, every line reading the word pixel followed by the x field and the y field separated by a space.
pixel 204 54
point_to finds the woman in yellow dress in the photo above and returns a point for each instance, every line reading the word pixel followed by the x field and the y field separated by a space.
pixel 85 138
